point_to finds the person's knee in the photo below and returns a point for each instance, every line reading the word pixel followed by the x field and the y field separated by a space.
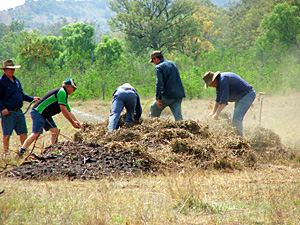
pixel 152 107
pixel 154 111
pixel 34 135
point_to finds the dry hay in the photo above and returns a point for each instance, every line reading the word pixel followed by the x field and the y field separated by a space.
pixel 150 145
pixel 268 145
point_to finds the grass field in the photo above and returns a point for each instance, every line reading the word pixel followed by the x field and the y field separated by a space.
pixel 270 194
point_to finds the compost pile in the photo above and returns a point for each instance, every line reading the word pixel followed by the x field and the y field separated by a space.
pixel 148 146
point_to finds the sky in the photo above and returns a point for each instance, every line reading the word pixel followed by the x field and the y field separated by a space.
pixel 7 4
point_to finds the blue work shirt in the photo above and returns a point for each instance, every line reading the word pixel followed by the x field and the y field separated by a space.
pixel 11 94
pixel 230 88
pixel 138 107
pixel 168 81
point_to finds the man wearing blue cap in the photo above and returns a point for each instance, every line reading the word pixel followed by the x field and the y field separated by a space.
pixel 52 103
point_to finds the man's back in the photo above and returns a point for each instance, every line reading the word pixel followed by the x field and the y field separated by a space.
pixel 169 83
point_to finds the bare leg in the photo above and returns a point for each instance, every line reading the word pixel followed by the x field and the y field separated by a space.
pixel 6 143
pixel 54 135
pixel 30 139
pixel 23 137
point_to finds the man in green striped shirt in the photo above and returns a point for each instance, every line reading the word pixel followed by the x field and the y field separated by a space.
pixel 52 103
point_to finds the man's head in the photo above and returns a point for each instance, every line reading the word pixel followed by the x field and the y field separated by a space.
pixel 209 78
pixel 9 64
pixel 126 85
pixel 154 56
pixel 9 67
pixel 70 85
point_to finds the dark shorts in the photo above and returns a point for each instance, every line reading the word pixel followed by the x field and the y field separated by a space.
pixel 14 121
pixel 39 122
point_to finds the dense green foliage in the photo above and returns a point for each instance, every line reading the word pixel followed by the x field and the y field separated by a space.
pixel 153 24
pixel 259 40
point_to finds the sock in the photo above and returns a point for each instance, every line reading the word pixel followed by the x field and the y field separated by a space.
pixel 22 150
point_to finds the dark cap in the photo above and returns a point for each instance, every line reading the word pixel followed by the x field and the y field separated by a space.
pixel 155 54
pixel 70 81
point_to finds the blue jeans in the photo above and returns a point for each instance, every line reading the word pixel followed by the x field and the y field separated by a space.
pixel 240 109
pixel 39 122
pixel 120 100
pixel 174 104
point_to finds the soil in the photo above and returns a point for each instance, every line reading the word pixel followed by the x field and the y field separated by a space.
pixel 150 146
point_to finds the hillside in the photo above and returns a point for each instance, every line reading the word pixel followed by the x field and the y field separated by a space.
pixel 47 12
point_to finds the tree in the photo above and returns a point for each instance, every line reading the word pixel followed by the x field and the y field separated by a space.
pixel 151 24
pixel 3 29
pixel 54 29
pixel 33 54
pixel 283 25
pixel 204 32
pixel 16 26
pixel 78 42
pixel 240 22
pixel 9 45
pixel 108 54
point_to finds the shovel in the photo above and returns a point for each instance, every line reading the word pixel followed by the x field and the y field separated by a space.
pixel 260 97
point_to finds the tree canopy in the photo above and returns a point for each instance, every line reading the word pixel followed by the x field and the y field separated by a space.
pixel 283 25
pixel 153 24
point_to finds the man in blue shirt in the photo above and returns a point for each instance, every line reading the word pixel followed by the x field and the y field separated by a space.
pixel 230 87
pixel 11 102
pixel 128 97
pixel 169 88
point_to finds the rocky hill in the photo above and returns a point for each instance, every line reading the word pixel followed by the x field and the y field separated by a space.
pixel 47 12
pixel 41 13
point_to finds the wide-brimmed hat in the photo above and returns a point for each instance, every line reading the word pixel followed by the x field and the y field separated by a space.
pixel 70 81
pixel 155 54
pixel 9 64
pixel 209 77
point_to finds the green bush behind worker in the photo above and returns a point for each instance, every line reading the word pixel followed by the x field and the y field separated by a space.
pixel 52 103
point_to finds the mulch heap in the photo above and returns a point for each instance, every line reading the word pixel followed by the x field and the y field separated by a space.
pixel 149 146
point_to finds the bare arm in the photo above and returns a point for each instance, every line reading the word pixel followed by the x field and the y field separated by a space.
pixel 217 110
pixel 214 109
pixel 74 117
pixel 69 116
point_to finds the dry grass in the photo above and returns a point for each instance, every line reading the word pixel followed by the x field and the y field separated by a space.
pixel 268 195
